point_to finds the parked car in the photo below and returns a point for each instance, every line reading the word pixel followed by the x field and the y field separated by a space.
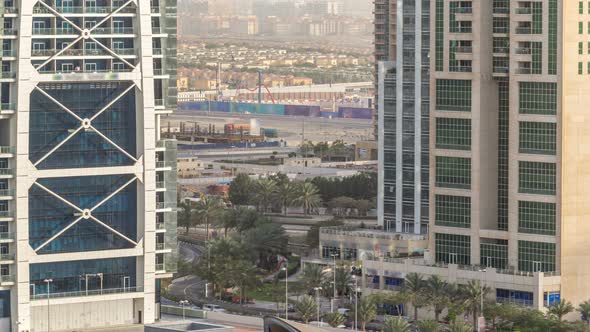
pixel 213 307
pixel 344 311
pixel 246 300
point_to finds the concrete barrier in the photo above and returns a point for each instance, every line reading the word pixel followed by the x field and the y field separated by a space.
pixel 188 312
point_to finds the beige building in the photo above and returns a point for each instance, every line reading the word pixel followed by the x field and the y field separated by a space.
pixel 508 163
pixel 189 167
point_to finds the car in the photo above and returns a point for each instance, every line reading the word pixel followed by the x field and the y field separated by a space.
pixel 343 311
pixel 213 307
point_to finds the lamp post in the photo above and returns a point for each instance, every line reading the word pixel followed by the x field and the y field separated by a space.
pixel 482 271
pixel 183 303
pixel 317 297
pixel 48 282
pixel 334 297
pixel 355 301
pixel 286 292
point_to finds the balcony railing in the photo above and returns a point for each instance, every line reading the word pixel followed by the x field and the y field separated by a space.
pixel 160 246
pixel 6 257
pixel 159 102
pixel 464 49
pixel 159 185
pixel 502 49
pixel 83 10
pixel 8 53
pixel 10 10
pixel 156 51
pixel 7 32
pixel 160 225
pixel 522 50
pixel 165 205
pixel 6 278
pixel 158 72
pixel 113 31
pixel 523 10
pixel 164 164
pixel 160 267
pixel 7 236
pixel 7 106
pixel 463 10
pixel 524 30
pixel 155 10
pixel 84 70
pixel 93 292
pixel 82 52
pixel 6 149
pixel 6 192
pixel 6 171
pixel 6 214
pixel 501 10
pixel 7 74
pixel 523 71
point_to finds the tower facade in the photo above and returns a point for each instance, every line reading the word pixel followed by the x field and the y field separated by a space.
pixel 88 222
pixel 403 117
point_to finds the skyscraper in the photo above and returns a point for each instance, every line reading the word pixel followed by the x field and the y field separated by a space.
pixel 508 165
pixel 403 114
pixel 87 188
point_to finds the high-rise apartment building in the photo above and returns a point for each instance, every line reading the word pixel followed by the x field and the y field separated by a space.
pixel 87 189
pixel 403 115
pixel 508 165
pixel 385 45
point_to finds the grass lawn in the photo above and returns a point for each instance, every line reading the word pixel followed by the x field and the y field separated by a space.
pixel 265 292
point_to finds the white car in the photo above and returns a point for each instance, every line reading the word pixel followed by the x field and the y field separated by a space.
pixel 343 311
pixel 213 307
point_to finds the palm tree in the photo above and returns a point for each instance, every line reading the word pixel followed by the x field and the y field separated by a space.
pixel 185 215
pixel 396 324
pixel 307 308
pixel 229 220
pixel 397 299
pixel 584 310
pixel 285 194
pixel 208 208
pixel 414 286
pixel 312 276
pixel 428 325
pixel 367 311
pixel 265 190
pixel 335 319
pixel 459 327
pixel 473 293
pixel 437 295
pixel 308 197
pixel 343 281
pixel 560 309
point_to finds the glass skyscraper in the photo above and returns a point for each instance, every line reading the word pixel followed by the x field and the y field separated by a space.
pixel 87 188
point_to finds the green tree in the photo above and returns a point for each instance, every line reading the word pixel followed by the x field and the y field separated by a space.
pixel 473 293
pixel 437 294
pixel 428 325
pixel 459 327
pixel 396 324
pixel 584 310
pixel 240 190
pixel 414 286
pixel 397 299
pixel 343 281
pixel 207 209
pixel 491 311
pixel 307 308
pixel 229 220
pixel 185 215
pixel 264 193
pixel 560 309
pixel 335 319
pixel 245 276
pixel 307 197
pixel 312 276
pixel 266 241
pixel 285 194
pixel 367 311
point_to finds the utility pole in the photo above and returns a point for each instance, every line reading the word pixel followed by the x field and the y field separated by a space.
pixel 259 87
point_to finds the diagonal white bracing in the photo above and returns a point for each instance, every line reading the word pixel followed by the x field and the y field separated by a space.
pixel 113 230
pixel 59 104
pixel 113 144
pixel 110 15
pixel 53 57
pixel 64 141
pixel 113 53
pixel 56 235
pixel 58 197
pixel 113 102
pixel 58 14
pixel 86 214
pixel 114 193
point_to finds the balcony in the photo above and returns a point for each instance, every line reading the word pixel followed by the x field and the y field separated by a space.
pixel 157 51
pixel 524 30
pixel 463 10
pixel 501 10
pixel 9 53
pixel 159 185
pixel 155 10
pixel 7 280
pixel 8 32
pixel 501 50
pixel 522 50
pixel 6 214
pixel 165 205
pixel 6 236
pixel 523 10
pixel 160 226
pixel 6 193
pixel 10 10
pixel 93 292
pixel 6 150
pixel 160 246
pixel 160 267
pixel 6 258
pixel 159 102
pixel 164 164
pixel 83 10
pixel 523 71
pixel 82 52
pixel 464 49
pixel 6 172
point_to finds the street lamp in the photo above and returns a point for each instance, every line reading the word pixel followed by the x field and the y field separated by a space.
pixel 183 303
pixel 286 291
pixel 334 297
pixel 48 281
pixel 482 271
pixel 317 297
pixel 355 301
